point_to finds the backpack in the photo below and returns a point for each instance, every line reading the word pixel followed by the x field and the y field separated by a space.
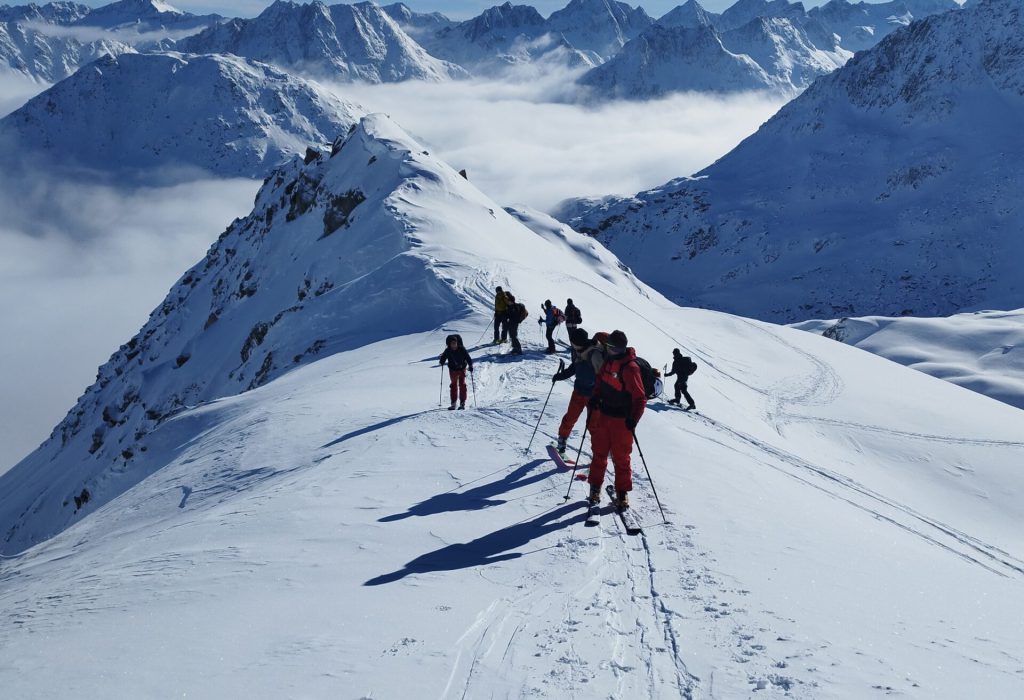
pixel 649 377
pixel 692 368
pixel 557 315
pixel 521 312
pixel 574 316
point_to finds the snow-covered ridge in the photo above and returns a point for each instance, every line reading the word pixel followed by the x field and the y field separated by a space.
pixel 222 114
pixel 340 42
pixel 981 351
pixel 335 255
pixel 892 186
pixel 836 522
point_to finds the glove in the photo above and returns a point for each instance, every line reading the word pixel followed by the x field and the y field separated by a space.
pixel 471 370
pixel 554 377
pixel 631 423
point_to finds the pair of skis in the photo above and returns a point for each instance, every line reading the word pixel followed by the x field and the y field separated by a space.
pixel 628 517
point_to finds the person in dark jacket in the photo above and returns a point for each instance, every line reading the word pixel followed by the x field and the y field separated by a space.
pixel 682 368
pixel 500 315
pixel 617 404
pixel 459 362
pixel 573 317
pixel 582 368
pixel 513 317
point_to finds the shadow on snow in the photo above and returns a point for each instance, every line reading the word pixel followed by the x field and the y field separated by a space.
pixel 489 549
pixel 477 498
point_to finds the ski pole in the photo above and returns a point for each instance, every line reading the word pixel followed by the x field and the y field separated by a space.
pixel 654 490
pixel 561 365
pixel 480 339
pixel 440 391
pixel 472 380
pixel 576 466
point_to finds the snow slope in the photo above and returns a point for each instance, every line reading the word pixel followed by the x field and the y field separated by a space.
pixel 892 186
pixel 341 42
pixel 835 529
pixel 981 351
pixel 27 50
pixel 224 114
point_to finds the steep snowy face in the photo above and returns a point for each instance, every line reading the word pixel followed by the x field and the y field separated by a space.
pixel 600 26
pixel 784 51
pixel 223 114
pixel 26 49
pixel 690 15
pixel 504 36
pixel 893 186
pixel 745 11
pixel 143 16
pixel 862 25
pixel 52 13
pixel 416 24
pixel 341 42
pixel 371 239
pixel 664 60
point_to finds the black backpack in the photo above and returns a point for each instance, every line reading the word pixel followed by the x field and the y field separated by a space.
pixel 573 315
pixel 648 377
pixel 691 368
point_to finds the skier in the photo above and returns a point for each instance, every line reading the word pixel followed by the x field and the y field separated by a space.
pixel 514 315
pixel 682 367
pixel 500 313
pixel 583 369
pixel 573 317
pixel 552 317
pixel 459 361
pixel 618 403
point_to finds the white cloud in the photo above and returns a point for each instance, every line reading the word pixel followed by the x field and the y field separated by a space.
pixel 82 266
pixel 521 144
pixel 16 90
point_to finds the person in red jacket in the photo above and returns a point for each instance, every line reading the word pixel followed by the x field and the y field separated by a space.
pixel 618 403
pixel 459 361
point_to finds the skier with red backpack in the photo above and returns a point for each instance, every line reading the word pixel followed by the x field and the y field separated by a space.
pixel 617 404
pixel 459 362
pixel 553 316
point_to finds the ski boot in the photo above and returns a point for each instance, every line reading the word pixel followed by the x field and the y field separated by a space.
pixel 462 406
pixel 561 446
pixel 595 494
pixel 621 500
pixel 452 407
pixel 674 402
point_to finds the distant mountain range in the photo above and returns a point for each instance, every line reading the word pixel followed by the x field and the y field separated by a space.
pixel 753 45
pixel 223 114
pixel 893 186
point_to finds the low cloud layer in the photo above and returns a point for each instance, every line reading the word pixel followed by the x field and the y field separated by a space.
pixel 82 266
pixel 16 90
pixel 519 146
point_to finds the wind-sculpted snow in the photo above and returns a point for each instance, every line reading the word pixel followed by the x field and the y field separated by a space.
pixel 893 186
pixel 222 114
pixel 981 351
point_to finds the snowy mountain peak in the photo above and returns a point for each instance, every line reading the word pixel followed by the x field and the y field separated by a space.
pixel 342 42
pixel 690 14
pixel 601 26
pixel 224 114
pixel 369 239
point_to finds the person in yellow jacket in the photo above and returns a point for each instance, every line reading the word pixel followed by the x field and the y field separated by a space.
pixel 500 315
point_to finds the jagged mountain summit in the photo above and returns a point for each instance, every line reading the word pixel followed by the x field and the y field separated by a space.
pixel 690 14
pixel 175 500
pixel 50 42
pixel 862 25
pixel 341 42
pixel 664 60
pixel 417 24
pixel 222 114
pixel 144 16
pixel 599 26
pixel 505 36
pixel 27 50
pixel 892 186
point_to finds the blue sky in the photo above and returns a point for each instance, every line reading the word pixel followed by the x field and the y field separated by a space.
pixel 456 9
